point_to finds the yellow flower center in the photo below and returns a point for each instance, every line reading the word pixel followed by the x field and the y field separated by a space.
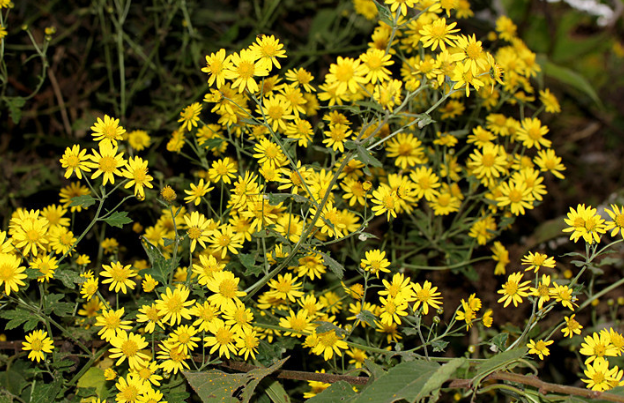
pixel 72 161
pixel 488 160
pixel 108 164
pixel 7 272
pixel 473 51
pixel 245 70
pixel 405 149
pixel 36 345
pixel 194 233
pixel 224 336
pixel 174 304
pixel 129 348
pixel 227 288
pixel 444 200
pixel 130 394
pixel 184 337
pixel 515 196
pixel 145 373
pixel 344 72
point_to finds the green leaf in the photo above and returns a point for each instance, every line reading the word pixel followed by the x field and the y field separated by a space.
pixel 500 341
pixel 333 264
pixel 93 378
pixel 51 303
pixel 367 158
pixel 340 391
pixel 249 262
pixel 46 392
pixel 572 78
pixel 439 345
pixel 367 317
pixel 15 105
pixel 325 327
pixel 16 317
pixel 69 278
pixel 498 362
pixel 84 201
pixel 404 381
pixel 277 393
pixel 217 386
pixel 118 219
pixel 277 198
pixel 159 265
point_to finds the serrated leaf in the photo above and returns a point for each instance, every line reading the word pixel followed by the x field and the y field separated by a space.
pixel 168 241
pixel 439 346
pixel 160 268
pixel 118 219
pixel 16 317
pixel 31 323
pixel 84 201
pixel 340 391
pixel 217 386
pixel 333 264
pixel 249 263
pixel 500 341
pixel 69 278
pixel 15 105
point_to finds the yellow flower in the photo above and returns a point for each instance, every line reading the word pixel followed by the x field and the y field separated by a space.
pixel 136 171
pixel 348 74
pixel 74 189
pixel 572 327
pixel 75 161
pixel 531 134
pixel 483 230
pixel 107 162
pixel 139 140
pixel 223 170
pixel 11 273
pixel 216 66
pixel 438 34
pixel 130 388
pixel 244 68
pixel 285 287
pixel 267 49
pixel 327 344
pixel 516 195
pixel 597 346
pixel 38 343
pixel 386 201
pixel 128 346
pixel 149 283
pixel 600 377
pixel 110 321
pixel 500 255
pixel 225 240
pixel 224 339
pixel 617 225
pixel 401 4
pixel 173 305
pixel 539 347
pixel 585 222
pixel 549 101
pixel 428 296
pixel 173 358
pixel 548 161
pixel 375 261
pixel 190 116
pixel 388 94
pixel 513 290
pixel 198 229
pixel 120 277
pixel 197 192
pixel 89 288
pixel 107 131
pixel 46 265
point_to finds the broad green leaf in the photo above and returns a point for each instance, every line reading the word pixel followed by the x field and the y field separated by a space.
pixel 441 375
pixel 12 381
pixel 84 201
pixel 277 393
pixel 340 391
pixel 46 392
pixel 404 381
pixel 439 346
pixel 498 362
pixel 276 198
pixel 572 78
pixel 118 219
pixel 216 386
pixel 500 341
pixel 93 378
pixel 16 317
pixel 333 264
pixel 159 265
